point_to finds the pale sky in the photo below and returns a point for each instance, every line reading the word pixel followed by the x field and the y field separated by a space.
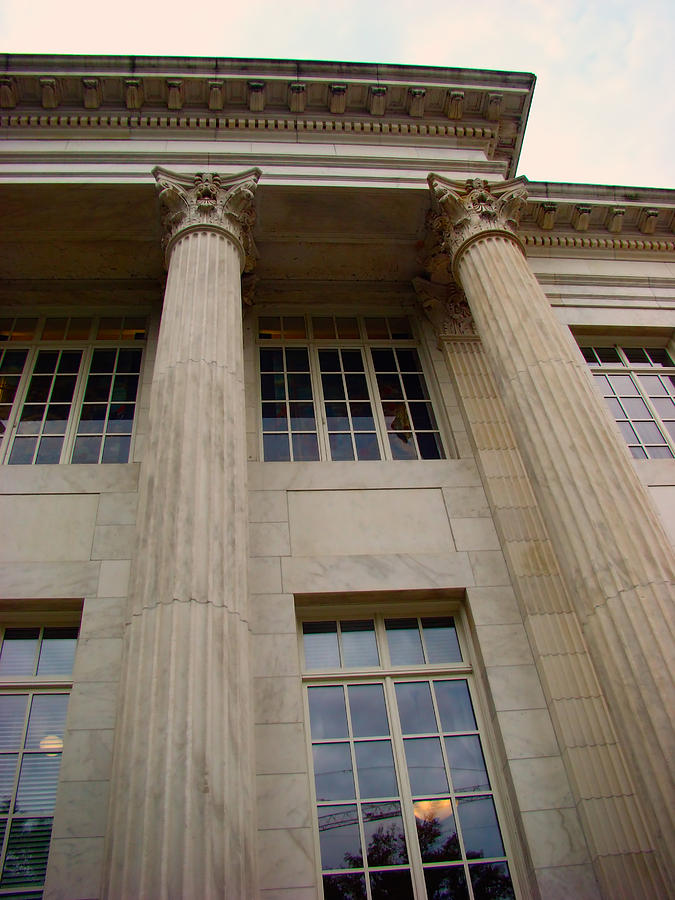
pixel 604 107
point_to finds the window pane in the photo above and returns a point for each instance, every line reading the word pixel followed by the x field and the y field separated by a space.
pixel 359 647
pixel 294 327
pixel 376 328
pixel 273 387
pixel 436 830
pixel 392 884
pixel 347 328
pixel 12 720
pixel 402 445
pixel 297 359
pixel 274 417
pixel 323 327
pixel 341 447
pixel 47 722
pixel 37 782
pixel 321 645
pixel 333 772
pixel 636 355
pixel 302 416
pixel 58 651
pixel 467 766
pixel 385 838
pixel 339 838
pixel 327 712
pixel 275 447
pixel 491 881
pixel 440 639
pixel 454 706
pixel 269 327
pixel 430 445
pixel 271 359
pixel 305 447
pixel 86 450
pixel 49 451
pixel 352 361
pixel 426 770
pixel 8 763
pixel 19 648
pixel 405 644
pixel 116 449
pixel 446 883
pixel 480 830
pixel 415 708
pixel 27 850
pixel 375 769
pixel 608 355
pixel 368 711
pixel 366 446
pixel 344 887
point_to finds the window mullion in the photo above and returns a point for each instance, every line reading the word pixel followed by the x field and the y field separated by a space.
pixel 76 404
pixel 319 406
pixel 378 412
pixel 404 789
pixel 17 405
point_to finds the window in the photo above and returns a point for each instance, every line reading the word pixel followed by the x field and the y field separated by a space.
pixel 68 388
pixel 638 384
pixel 405 802
pixel 344 388
pixel 35 671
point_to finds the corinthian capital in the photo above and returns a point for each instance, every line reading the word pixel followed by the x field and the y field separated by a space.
pixel 209 202
pixel 446 308
pixel 464 212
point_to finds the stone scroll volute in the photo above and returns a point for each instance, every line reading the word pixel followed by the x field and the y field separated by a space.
pixel 209 202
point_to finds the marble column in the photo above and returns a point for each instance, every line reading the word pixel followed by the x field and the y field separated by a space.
pixel 616 826
pixel 614 556
pixel 182 799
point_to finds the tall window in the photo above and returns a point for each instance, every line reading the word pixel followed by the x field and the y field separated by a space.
pixel 35 671
pixel 68 388
pixel 344 388
pixel 404 800
pixel 638 384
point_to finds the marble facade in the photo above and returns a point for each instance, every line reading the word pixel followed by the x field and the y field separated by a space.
pixel 204 194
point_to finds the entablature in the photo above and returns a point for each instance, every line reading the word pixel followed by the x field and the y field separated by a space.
pixel 87 95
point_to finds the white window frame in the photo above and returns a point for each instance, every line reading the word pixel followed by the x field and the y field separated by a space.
pixel 633 371
pixel 32 685
pixel 388 675
pixel 364 344
pixel 87 348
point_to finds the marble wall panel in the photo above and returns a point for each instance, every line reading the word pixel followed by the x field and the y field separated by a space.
pixel 49 528
pixel 393 572
pixel 74 869
pixel 71 479
pixel 286 859
pixel 48 580
pixel 342 523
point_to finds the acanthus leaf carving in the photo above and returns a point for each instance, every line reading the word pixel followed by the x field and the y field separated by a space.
pixel 461 213
pixel 446 307
pixel 210 202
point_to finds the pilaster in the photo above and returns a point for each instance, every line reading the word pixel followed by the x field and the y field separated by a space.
pixel 181 822
pixel 614 557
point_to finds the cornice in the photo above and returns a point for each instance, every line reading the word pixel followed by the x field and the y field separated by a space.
pixel 81 93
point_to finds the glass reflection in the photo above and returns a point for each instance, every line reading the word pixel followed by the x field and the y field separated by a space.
pixel 446 883
pixel 344 887
pixel 339 837
pixel 491 881
pixel 333 774
pixel 39 777
pixel 480 830
pixel 47 720
pixel 385 838
pixel 368 711
pixel 425 766
pixel 327 712
pixel 375 768
pixel 415 708
pixel 436 830
pixel 386 885
pixel 454 705
pixel 467 766
pixel 7 773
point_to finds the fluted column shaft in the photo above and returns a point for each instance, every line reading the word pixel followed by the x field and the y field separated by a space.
pixel 181 822
pixel 614 556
